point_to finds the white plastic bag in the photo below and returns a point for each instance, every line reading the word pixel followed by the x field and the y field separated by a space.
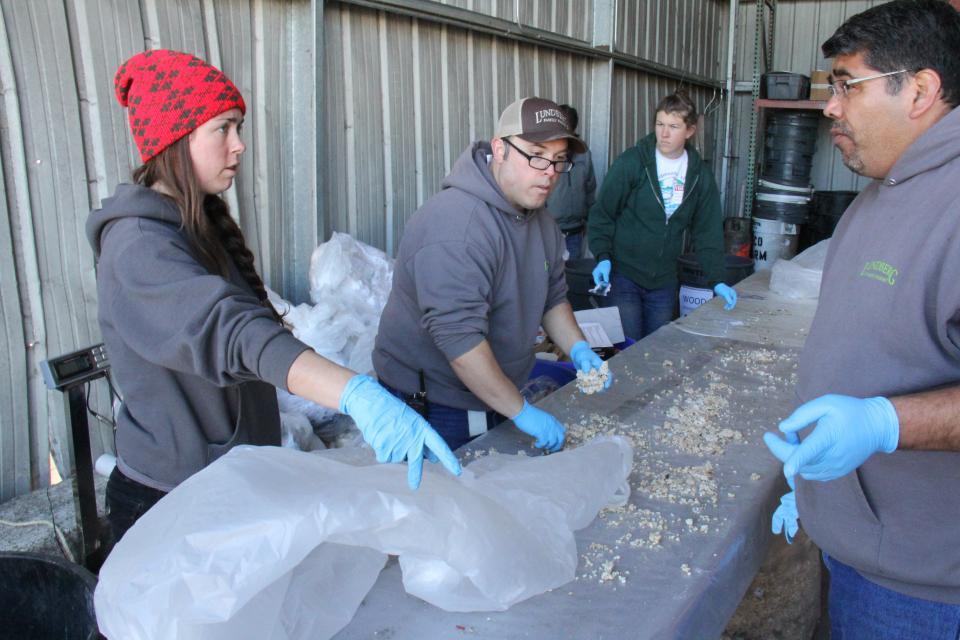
pixel 349 285
pixel 800 277
pixel 274 543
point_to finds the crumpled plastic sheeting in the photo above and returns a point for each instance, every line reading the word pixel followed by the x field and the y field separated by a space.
pixel 273 543
pixel 349 285
pixel 800 277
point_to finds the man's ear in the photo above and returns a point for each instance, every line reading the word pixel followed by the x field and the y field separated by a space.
pixel 499 149
pixel 927 87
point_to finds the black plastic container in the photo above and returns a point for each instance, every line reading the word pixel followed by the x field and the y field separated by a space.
pixel 579 275
pixel 803 144
pixel 691 273
pixel 826 210
pixel 45 596
pixel 780 85
pixel 797 174
pixel 784 155
pixel 784 212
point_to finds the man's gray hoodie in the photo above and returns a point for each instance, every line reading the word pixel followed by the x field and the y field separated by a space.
pixel 191 352
pixel 470 267
pixel 888 323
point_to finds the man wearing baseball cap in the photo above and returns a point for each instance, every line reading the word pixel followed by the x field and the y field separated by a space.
pixel 480 269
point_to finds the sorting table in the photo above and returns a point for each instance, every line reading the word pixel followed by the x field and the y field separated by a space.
pixel 694 398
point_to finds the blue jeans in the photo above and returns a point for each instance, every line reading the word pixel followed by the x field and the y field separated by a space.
pixel 574 244
pixel 642 311
pixel 452 424
pixel 863 610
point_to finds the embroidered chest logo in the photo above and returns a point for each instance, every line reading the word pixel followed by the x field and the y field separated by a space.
pixel 880 270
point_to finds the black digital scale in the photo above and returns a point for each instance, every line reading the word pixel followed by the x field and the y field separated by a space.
pixel 69 373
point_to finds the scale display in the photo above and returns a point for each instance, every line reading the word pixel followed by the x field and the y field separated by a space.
pixel 74 368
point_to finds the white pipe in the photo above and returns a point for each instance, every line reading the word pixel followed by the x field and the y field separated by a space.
pixel 728 117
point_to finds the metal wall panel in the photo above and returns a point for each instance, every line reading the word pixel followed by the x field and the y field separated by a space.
pixel 404 97
pixel 681 34
pixel 571 18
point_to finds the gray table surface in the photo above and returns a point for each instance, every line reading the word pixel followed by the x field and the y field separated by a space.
pixel 676 562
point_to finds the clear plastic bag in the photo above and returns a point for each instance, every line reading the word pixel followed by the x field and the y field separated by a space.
pixel 349 285
pixel 800 277
pixel 271 542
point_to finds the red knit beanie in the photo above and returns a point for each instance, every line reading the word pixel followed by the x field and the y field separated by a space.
pixel 169 94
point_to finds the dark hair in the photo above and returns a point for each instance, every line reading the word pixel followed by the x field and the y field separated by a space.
pixel 679 103
pixel 905 34
pixel 213 234
pixel 573 118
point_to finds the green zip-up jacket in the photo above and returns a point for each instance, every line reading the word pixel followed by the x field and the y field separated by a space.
pixel 628 224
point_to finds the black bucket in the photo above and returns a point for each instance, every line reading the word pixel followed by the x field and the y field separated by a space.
pixel 691 273
pixel 792 174
pixel 801 144
pixel 579 275
pixel 828 207
pixel 782 211
pixel 45 596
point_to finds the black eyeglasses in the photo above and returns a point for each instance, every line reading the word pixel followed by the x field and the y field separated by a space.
pixel 540 163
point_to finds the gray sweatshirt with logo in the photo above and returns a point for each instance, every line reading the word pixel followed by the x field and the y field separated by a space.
pixel 470 267
pixel 888 323
pixel 196 356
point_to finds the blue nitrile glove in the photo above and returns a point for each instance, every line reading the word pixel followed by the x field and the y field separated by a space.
pixel 729 295
pixel 585 359
pixel 549 433
pixel 394 430
pixel 785 517
pixel 601 273
pixel 848 431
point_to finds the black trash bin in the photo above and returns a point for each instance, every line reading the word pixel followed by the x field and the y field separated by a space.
pixel 44 596
pixel 579 282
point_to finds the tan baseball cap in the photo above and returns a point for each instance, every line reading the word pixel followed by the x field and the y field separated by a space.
pixel 537 120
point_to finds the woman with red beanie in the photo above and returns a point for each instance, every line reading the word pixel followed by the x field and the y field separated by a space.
pixel 195 347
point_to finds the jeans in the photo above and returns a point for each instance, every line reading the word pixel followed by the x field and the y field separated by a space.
pixel 451 423
pixel 574 242
pixel 642 311
pixel 863 610
pixel 127 500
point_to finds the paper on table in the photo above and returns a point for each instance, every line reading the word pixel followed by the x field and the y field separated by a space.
pixel 595 335
pixel 607 317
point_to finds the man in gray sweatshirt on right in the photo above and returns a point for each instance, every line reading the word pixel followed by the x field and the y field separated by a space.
pixel 479 270
pixel 879 376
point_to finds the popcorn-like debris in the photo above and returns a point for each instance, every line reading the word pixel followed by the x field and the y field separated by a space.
pixel 592 381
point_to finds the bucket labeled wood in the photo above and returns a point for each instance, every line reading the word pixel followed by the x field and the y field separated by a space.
pixel 773 239
pixel 692 297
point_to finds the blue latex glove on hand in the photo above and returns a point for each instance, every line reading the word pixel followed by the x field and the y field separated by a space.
pixel 785 517
pixel 585 359
pixel 549 433
pixel 601 273
pixel 848 431
pixel 729 295
pixel 394 430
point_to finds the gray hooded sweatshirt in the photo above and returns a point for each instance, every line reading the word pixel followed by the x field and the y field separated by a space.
pixel 888 323
pixel 192 352
pixel 470 267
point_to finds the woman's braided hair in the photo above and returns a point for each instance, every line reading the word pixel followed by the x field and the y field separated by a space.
pixel 213 233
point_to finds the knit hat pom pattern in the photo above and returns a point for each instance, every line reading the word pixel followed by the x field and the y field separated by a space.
pixel 168 94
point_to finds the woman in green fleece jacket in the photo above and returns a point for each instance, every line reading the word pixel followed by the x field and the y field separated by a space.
pixel 652 193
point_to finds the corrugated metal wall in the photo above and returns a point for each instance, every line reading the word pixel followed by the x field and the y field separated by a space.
pixel 801 27
pixel 356 110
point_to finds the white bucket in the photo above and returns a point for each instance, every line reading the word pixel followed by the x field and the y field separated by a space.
pixel 772 239
pixel 692 297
